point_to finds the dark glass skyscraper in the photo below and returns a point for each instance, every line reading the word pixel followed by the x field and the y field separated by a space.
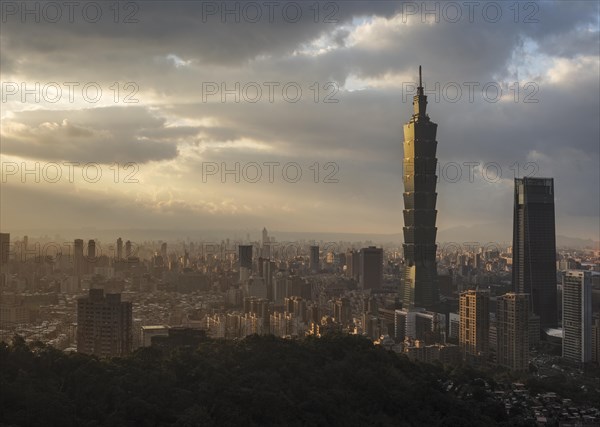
pixel 534 247
pixel 371 267
pixel 245 256
pixel 420 274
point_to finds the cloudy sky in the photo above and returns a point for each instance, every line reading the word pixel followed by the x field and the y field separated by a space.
pixel 160 97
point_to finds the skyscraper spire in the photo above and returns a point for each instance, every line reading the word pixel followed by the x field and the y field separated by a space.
pixel 420 100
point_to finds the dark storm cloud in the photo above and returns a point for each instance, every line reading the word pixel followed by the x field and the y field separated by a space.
pixel 186 29
pixel 139 50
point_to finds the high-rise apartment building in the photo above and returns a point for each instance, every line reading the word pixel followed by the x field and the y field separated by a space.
pixel 453 326
pixel 342 311
pixel 419 324
pixel 534 247
pixel 577 316
pixel 512 331
pixel 420 145
pixel 104 324
pixel 245 260
pixel 474 324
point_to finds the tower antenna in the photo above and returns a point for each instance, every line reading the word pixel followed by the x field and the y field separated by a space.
pixel 420 81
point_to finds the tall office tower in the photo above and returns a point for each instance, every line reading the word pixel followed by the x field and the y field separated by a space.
pixel 104 324
pixel 371 268
pixel 78 260
pixel 512 331
pixel 534 247
pixel 90 260
pixel 577 316
pixel 163 251
pixel 266 244
pixel 128 249
pixel 245 259
pixel 266 247
pixel 245 256
pixel 420 273
pixel 473 336
pixel 4 248
pixel 91 254
pixel 314 259
pixel 119 249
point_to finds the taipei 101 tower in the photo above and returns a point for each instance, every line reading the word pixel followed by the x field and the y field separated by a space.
pixel 420 273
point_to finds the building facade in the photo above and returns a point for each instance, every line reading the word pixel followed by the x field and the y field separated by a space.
pixel 371 268
pixel 420 145
pixel 474 324
pixel 534 247
pixel 577 316
pixel 512 331
pixel 104 324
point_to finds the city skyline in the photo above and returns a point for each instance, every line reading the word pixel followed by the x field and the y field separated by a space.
pixel 172 136
pixel 241 213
